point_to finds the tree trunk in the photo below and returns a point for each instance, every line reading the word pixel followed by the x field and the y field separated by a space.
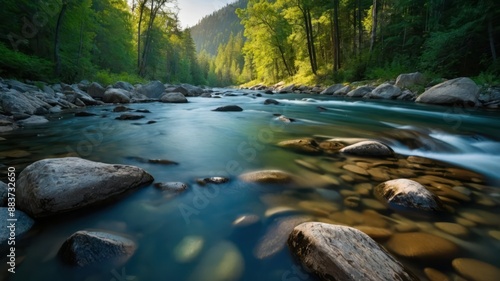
pixel 336 37
pixel 56 39
pixel 313 48
pixel 141 13
pixel 360 28
pixel 374 25
pixel 491 39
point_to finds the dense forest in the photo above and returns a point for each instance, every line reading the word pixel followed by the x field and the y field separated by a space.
pixel 104 40
pixel 302 41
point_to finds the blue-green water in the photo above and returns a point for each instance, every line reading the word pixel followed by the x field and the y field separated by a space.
pixel 207 143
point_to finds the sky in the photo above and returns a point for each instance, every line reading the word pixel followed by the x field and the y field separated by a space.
pixel 191 11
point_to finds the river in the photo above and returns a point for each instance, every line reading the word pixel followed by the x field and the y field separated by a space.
pixel 208 143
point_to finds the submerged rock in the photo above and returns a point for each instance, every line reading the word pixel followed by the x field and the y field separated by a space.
pixel 85 248
pixel 275 238
pixel 271 101
pixel 213 180
pixel 267 176
pixel 173 187
pixel 130 117
pixel 407 195
pixel 368 148
pixel 84 114
pixel 305 145
pixel 222 262
pixel 22 225
pixel 189 248
pixel 476 270
pixel 53 186
pixel 422 246
pixel 335 252
pixel 33 120
pixel 229 108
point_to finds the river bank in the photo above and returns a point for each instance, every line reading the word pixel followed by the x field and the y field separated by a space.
pixel 229 190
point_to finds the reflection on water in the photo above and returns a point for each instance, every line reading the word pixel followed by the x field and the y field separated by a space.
pixel 192 236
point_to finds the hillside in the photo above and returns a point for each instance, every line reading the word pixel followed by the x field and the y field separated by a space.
pixel 216 28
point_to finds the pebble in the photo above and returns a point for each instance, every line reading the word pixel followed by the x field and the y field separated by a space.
pixel 452 228
pixel 495 234
pixel 420 160
pixel 462 189
pixel 15 153
pixel 373 204
pixel 422 246
pixel 482 199
pixel 246 220
pixel 309 166
pixel 435 275
pixel 222 262
pixel 465 222
pixel 480 217
pixel 352 202
pixel 267 176
pixel 364 189
pixel 376 233
pixel 347 178
pixel 355 169
pixel 188 249
pixel 476 270
pixel 319 208
pixel 406 227
pixel 278 210
pixel 379 174
pixel 347 193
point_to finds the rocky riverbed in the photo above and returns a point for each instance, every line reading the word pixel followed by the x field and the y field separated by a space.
pixel 251 184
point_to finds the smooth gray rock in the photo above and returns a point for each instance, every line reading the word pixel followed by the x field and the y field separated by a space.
pixel 460 91
pixel 52 186
pixel 33 120
pixel 343 91
pixel 332 89
pixel 368 148
pixel 153 89
pixel 409 79
pixel 407 195
pixel 96 91
pixel 116 96
pixel 407 95
pixel 19 86
pixel 22 225
pixel 286 89
pixel 385 91
pixel 7 124
pixel 123 85
pixel 85 248
pixel 14 102
pixel 359 92
pixel 173 98
pixel 335 252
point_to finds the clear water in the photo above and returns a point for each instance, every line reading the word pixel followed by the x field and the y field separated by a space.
pixel 207 143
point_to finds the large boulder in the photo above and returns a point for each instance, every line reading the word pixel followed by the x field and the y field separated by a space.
pixel 19 86
pixel 52 186
pixel 96 91
pixel 33 120
pixel 407 195
pixel 335 252
pixel 460 91
pixel 360 92
pixel 385 91
pixel 153 89
pixel 409 79
pixel 73 93
pixel 186 89
pixel 123 85
pixel 23 223
pixel 332 89
pixel 90 247
pixel 173 98
pixel 14 102
pixel 368 148
pixel 116 96
pixel 229 108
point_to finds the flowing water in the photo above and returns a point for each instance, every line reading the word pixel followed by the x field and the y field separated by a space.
pixel 192 237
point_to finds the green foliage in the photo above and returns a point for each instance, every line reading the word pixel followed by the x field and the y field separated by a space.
pixel 487 79
pixel 16 64
pixel 105 77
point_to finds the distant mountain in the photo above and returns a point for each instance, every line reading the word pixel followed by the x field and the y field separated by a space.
pixel 216 28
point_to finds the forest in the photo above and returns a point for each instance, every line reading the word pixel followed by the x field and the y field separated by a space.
pixel 301 41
